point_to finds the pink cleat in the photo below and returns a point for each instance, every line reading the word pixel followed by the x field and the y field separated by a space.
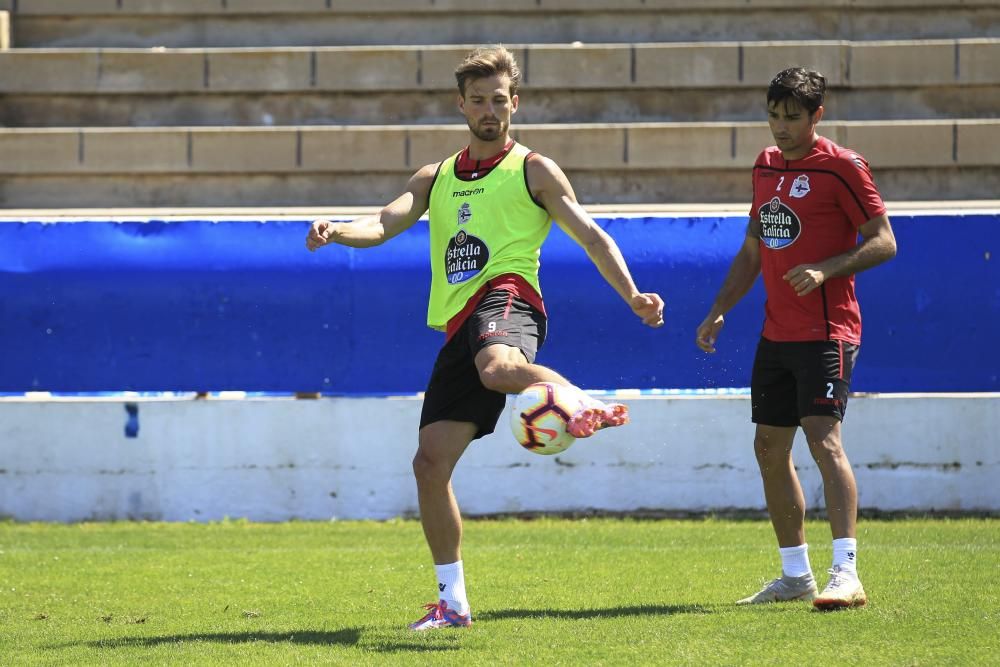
pixel 593 418
pixel 440 616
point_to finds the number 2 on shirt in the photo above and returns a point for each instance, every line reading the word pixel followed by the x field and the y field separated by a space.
pixel 781 181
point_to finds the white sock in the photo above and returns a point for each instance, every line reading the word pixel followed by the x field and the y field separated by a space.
pixel 795 561
pixel 845 554
pixel 451 586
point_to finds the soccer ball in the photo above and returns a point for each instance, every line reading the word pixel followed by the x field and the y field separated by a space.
pixel 539 416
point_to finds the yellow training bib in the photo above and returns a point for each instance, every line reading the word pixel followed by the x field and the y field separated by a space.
pixel 479 230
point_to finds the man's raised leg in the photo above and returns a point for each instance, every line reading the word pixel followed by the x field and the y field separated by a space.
pixel 504 369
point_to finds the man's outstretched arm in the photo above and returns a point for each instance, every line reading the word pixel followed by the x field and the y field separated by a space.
pixel 372 230
pixel 552 189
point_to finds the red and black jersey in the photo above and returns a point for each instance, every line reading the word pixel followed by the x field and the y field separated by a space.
pixel 810 210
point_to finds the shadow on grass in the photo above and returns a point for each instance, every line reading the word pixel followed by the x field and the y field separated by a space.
pixel 345 637
pixel 348 637
pixel 608 612
pixel 351 637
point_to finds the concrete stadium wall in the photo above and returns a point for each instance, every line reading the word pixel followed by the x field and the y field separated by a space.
pixel 183 23
pixel 418 107
pixel 209 305
pixel 610 67
pixel 368 165
pixel 346 125
pixel 404 85
pixel 244 151
pixel 274 460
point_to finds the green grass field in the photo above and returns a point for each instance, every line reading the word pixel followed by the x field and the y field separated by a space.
pixel 546 591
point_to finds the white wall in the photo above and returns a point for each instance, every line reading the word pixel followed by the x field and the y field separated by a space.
pixel 276 459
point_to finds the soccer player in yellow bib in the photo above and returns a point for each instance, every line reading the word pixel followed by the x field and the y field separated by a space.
pixel 491 205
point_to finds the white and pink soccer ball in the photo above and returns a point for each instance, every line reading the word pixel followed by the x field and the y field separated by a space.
pixel 540 414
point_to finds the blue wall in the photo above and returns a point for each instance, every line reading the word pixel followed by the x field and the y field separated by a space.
pixel 201 305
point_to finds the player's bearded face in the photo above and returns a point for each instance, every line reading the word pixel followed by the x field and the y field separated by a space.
pixel 488 127
pixel 488 106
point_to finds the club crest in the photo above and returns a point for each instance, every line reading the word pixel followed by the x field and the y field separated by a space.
pixel 464 213
pixel 800 186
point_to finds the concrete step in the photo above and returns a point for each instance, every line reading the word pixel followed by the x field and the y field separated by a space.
pixel 193 23
pixel 435 108
pixel 409 84
pixel 349 165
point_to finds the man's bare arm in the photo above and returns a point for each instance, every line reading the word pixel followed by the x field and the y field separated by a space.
pixel 742 274
pixel 878 245
pixel 372 230
pixel 552 189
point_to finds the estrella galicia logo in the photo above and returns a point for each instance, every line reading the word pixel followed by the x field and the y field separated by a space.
pixel 466 256
pixel 464 213
pixel 779 226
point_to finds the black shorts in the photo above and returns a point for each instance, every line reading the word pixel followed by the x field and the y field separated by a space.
pixel 454 391
pixel 800 379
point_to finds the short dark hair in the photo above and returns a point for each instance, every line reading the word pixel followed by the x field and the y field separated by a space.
pixel 805 86
pixel 488 61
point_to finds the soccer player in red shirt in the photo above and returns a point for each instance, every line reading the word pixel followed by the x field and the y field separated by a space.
pixel 811 200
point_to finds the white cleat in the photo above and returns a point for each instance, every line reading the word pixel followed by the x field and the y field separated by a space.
pixel 842 592
pixel 784 589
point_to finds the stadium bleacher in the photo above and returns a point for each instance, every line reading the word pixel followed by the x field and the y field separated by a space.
pixel 111 103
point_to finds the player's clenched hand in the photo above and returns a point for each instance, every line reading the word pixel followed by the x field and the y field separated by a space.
pixel 649 307
pixel 804 278
pixel 708 332
pixel 319 234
